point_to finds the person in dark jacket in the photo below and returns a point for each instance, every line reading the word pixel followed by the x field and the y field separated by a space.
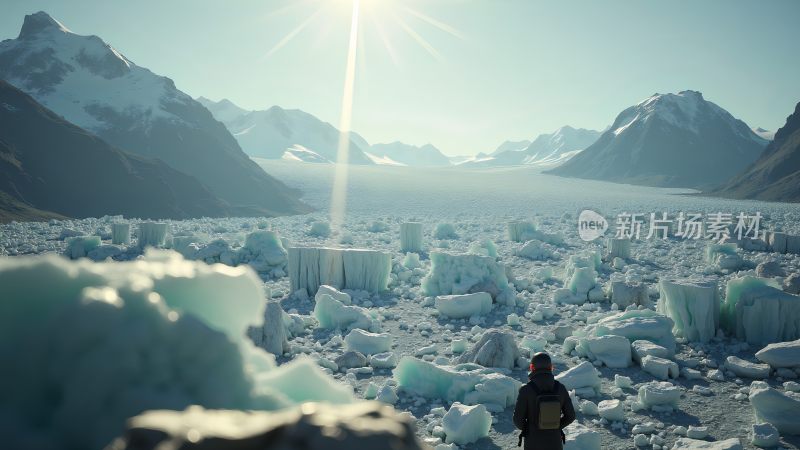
pixel 526 411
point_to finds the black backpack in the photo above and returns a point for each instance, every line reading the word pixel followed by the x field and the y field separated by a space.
pixel 548 405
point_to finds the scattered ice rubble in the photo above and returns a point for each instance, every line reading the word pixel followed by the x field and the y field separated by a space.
pixel 486 306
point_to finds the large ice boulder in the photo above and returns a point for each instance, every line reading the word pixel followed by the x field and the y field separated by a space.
pixel 770 269
pixel 693 305
pixel 264 252
pixel 746 369
pixel 618 248
pixel 659 367
pixel 466 424
pixel 641 324
pixel 584 375
pixel 764 435
pixel 581 437
pixel 152 234
pixel 343 297
pixel 311 267
pixel 121 233
pixel 80 246
pixel 613 351
pixel 685 443
pixel 107 341
pixel 272 335
pixel 724 256
pixel 612 410
pixel 465 305
pixel 756 310
pixel 534 250
pixel 521 231
pixel 465 274
pixel 657 393
pixel 333 314
pixel 368 343
pixel 642 348
pixel 626 293
pixel 361 426
pixel 781 354
pixel 494 349
pixel 411 237
pixel 445 231
pixel 781 409
pixel 466 383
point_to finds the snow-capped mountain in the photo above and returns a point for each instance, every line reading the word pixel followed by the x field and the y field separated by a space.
pixel 97 88
pixel 676 140
pixel 764 134
pixel 50 165
pixel 546 150
pixel 271 133
pixel 398 153
pixel 775 176
pixel 510 146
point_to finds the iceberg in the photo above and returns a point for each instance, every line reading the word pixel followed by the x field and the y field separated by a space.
pixel 584 375
pixel 107 337
pixel 445 231
pixel 152 234
pixel 656 393
pixel 464 274
pixel 521 231
pixel 120 233
pixel 660 368
pixel 746 369
pixel 411 237
pixel 463 306
pixel 320 229
pixel 466 424
pixel 80 246
pixel 686 443
pixel 580 437
pixel 613 351
pixel 494 349
pixel 643 324
pixel 781 409
pixel 693 305
pixel 756 310
pixel 618 248
pixel 333 314
pixel 264 252
pixel 534 250
pixel 466 383
pixel 368 343
pixel 272 336
pixel 724 256
pixel 311 267
pixel 625 293
pixel 781 354
pixel 611 410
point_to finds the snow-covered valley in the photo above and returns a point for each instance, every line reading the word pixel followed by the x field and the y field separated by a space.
pixel 708 397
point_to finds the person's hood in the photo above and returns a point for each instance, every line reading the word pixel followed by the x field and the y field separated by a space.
pixel 544 381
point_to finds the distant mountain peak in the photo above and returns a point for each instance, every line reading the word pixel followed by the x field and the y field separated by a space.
pixel 38 22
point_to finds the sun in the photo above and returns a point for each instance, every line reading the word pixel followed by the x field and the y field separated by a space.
pixel 386 17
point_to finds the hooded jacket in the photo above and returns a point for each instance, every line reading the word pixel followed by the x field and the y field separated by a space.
pixel 527 412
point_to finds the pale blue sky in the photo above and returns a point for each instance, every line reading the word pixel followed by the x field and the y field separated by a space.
pixel 517 68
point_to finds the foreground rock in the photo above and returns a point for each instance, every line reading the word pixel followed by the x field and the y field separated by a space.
pixel 365 425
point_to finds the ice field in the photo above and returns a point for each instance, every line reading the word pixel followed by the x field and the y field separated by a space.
pixel 447 344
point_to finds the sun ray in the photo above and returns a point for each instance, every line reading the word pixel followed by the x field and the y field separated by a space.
pixel 339 191
pixel 293 33
pixel 291 5
pixel 438 24
pixel 420 40
pixel 385 39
